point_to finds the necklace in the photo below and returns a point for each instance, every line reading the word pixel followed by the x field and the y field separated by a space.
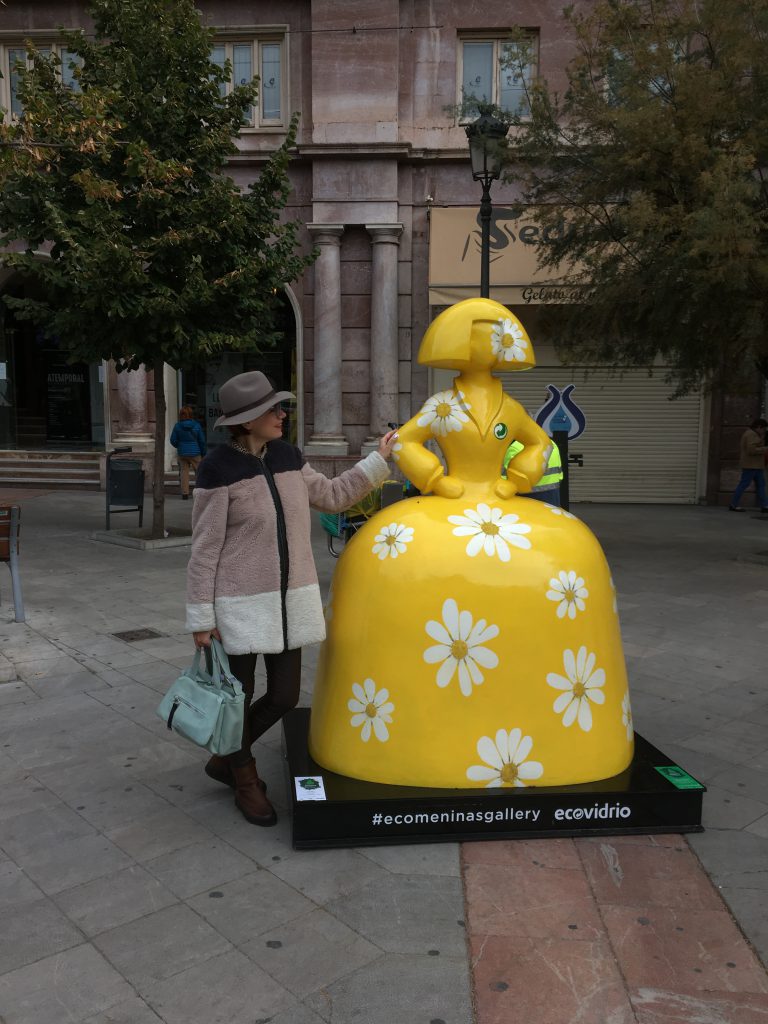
pixel 246 451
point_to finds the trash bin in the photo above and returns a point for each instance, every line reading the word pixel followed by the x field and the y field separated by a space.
pixel 125 485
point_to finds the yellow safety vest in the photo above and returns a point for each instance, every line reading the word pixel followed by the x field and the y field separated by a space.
pixel 553 474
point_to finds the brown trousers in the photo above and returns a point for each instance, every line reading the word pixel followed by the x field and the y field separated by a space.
pixel 187 462
pixel 282 694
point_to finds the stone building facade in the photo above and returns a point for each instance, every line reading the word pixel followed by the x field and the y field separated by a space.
pixel 381 155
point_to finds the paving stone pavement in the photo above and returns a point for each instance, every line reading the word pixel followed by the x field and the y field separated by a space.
pixel 132 891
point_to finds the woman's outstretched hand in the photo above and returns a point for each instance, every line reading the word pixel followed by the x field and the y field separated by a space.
pixel 203 638
pixel 387 443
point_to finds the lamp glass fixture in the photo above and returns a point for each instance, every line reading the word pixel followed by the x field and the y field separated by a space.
pixel 486 135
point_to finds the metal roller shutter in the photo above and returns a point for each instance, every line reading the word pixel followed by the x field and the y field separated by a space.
pixel 638 446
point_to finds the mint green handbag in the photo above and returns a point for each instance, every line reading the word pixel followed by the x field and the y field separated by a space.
pixel 206 707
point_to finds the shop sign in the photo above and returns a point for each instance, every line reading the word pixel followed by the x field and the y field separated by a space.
pixel 541 294
pixel 515 277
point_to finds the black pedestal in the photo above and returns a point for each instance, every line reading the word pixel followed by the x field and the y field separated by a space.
pixel 652 795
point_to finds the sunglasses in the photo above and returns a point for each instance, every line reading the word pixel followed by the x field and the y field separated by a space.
pixel 278 408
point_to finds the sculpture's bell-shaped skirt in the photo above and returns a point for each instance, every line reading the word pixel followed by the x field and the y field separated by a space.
pixel 472 644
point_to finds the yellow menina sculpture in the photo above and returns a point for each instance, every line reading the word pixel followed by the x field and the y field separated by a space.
pixel 473 639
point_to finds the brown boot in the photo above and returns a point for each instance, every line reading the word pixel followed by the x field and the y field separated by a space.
pixel 218 768
pixel 249 796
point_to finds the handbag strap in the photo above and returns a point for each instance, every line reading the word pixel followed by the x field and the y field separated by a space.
pixel 221 671
pixel 199 671
pixel 216 670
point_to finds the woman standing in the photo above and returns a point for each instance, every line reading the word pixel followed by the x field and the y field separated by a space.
pixel 251 579
pixel 188 439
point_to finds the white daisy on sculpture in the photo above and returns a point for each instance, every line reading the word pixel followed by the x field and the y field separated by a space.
pixel 459 647
pixel 392 540
pixel 505 760
pixel 490 531
pixel 581 686
pixel 370 709
pixel 569 591
pixel 559 511
pixel 508 343
pixel 443 413
pixel 626 716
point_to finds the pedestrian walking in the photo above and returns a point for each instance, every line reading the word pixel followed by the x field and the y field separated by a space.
pixel 752 452
pixel 251 579
pixel 188 439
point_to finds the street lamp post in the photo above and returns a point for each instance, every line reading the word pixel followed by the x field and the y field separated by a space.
pixel 486 136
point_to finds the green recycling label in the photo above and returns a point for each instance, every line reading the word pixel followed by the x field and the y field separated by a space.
pixel 679 778
pixel 309 787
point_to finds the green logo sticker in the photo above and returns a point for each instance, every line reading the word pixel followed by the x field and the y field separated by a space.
pixel 679 779
pixel 500 431
pixel 309 787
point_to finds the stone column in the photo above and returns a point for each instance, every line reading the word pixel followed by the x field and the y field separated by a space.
pixel 385 239
pixel 327 436
pixel 132 415
pixel 172 404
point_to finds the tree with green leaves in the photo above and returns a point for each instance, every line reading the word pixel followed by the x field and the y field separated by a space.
pixel 117 201
pixel 655 157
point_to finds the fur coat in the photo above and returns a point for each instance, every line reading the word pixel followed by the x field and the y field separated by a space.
pixel 251 571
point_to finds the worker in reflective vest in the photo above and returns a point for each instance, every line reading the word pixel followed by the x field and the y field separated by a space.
pixel 548 488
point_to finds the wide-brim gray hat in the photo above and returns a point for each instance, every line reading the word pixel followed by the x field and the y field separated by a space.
pixel 246 397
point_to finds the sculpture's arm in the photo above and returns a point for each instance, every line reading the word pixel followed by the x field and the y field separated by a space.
pixel 526 468
pixel 420 465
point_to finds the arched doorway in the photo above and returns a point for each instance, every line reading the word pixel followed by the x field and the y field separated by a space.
pixel 199 384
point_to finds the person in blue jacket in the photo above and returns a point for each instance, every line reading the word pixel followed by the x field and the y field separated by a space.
pixel 188 439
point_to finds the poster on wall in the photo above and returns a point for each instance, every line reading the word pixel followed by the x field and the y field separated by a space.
pixel 67 400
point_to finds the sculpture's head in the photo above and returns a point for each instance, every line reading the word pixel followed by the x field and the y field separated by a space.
pixel 477 334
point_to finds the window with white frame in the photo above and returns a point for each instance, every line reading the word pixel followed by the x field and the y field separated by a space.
pixel 265 58
pixel 497 70
pixel 14 55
